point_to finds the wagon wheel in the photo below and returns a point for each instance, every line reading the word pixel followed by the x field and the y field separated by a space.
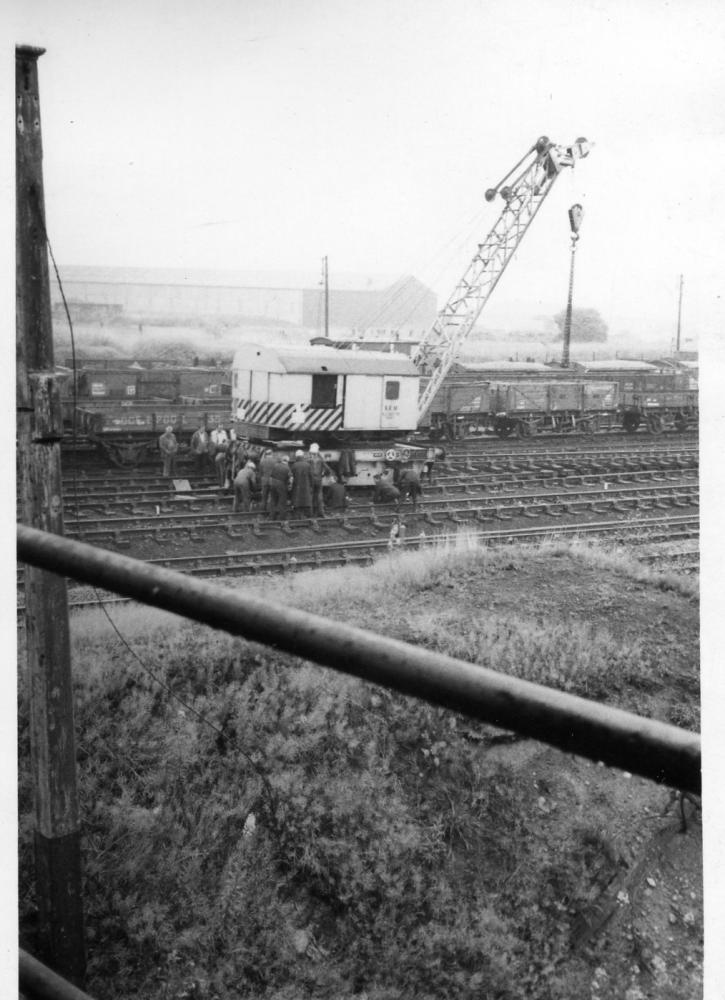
pixel 655 423
pixel 680 422
pixel 524 428
pixel 630 422
pixel 503 427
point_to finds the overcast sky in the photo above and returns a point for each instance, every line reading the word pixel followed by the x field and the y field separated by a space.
pixel 265 135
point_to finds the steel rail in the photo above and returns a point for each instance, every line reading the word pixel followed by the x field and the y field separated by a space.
pixel 364 553
pixel 260 560
pixel 445 507
pixel 655 750
pixel 471 480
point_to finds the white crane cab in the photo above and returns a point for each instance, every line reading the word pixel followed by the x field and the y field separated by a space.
pixel 357 405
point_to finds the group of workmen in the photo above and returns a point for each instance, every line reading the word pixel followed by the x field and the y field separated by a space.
pixel 259 477
pixel 306 483
pixel 271 482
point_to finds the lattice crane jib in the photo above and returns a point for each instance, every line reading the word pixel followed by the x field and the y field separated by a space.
pixel 523 197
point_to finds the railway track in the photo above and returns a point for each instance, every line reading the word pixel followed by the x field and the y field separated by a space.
pixel 512 494
pixel 651 531
pixel 603 439
pixel 83 493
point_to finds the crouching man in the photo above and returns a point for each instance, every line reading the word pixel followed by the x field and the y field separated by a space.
pixel 245 485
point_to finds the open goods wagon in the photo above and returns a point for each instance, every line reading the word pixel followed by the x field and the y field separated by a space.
pixel 124 410
pixel 650 396
pixel 521 398
pixel 506 408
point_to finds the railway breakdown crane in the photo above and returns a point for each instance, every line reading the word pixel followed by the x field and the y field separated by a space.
pixel 362 408
pixel 523 197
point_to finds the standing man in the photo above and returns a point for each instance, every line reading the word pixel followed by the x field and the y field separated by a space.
pixel 168 446
pixel 320 469
pixel 301 485
pixel 267 463
pixel 220 441
pixel 200 447
pixel 281 480
pixel 409 485
pixel 235 458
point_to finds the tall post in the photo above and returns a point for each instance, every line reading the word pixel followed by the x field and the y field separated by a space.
pixel 576 213
pixel 679 316
pixel 39 430
pixel 327 296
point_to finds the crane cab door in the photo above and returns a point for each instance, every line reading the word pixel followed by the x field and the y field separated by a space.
pixel 390 412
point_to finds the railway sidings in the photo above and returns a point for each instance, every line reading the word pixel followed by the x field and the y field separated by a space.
pixel 637 492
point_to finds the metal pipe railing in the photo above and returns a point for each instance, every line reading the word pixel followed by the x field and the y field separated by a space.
pixel 38 982
pixel 655 750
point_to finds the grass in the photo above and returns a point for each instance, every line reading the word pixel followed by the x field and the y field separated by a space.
pixel 256 826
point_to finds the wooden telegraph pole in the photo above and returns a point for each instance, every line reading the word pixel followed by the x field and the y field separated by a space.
pixel 39 430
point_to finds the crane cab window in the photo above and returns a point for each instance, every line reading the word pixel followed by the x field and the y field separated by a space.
pixel 324 392
pixel 392 390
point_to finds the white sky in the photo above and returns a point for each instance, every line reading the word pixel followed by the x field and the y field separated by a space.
pixel 264 135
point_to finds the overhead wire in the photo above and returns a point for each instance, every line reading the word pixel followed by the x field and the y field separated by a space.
pixel 451 248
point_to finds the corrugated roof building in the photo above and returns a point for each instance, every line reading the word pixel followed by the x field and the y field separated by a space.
pixel 356 302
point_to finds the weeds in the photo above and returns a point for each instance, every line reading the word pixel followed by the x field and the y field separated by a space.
pixel 256 826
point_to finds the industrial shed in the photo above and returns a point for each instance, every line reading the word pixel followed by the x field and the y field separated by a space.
pixel 380 304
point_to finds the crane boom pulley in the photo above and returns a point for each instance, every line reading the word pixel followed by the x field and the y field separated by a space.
pixel 523 198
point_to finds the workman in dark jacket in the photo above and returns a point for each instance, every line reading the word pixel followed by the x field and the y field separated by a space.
pixel 280 483
pixel 409 485
pixel 245 483
pixel 335 495
pixel 235 457
pixel 266 464
pixel 385 492
pixel 320 469
pixel 200 444
pixel 301 485
pixel 168 446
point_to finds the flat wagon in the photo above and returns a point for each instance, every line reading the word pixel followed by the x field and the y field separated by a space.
pixel 123 410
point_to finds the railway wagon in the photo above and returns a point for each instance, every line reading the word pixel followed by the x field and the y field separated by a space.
pixel 131 382
pixel 525 408
pixel 126 433
pixel 358 406
pixel 123 410
pixel 463 398
pixel 649 396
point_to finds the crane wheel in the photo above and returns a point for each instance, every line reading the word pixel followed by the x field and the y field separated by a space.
pixel 631 422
